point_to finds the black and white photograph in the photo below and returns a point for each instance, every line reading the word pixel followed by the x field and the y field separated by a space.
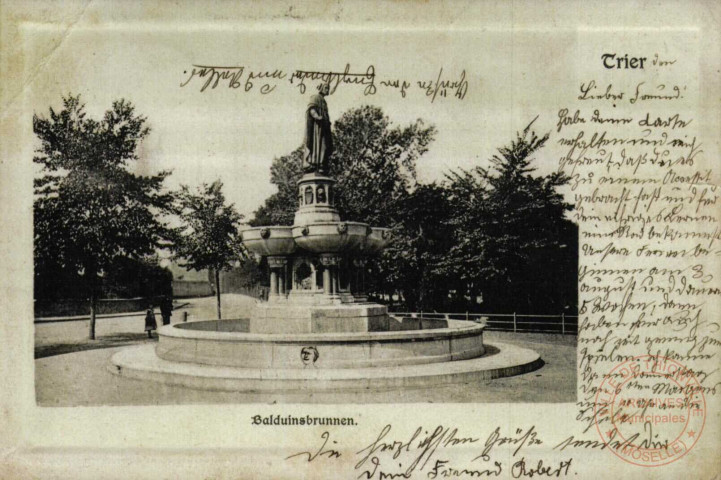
pixel 325 231
pixel 365 240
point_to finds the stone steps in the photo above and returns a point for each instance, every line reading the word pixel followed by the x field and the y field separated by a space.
pixel 501 360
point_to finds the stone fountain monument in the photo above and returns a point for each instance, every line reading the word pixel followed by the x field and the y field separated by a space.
pixel 317 265
pixel 317 329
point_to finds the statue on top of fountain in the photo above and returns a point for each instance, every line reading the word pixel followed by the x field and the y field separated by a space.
pixel 318 139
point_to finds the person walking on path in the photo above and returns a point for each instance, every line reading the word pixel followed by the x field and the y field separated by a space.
pixel 166 309
pixel 150 323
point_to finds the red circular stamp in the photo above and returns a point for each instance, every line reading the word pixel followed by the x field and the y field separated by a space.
pixel 650 410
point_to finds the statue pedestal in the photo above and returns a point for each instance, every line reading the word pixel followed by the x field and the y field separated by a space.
pixel 316 197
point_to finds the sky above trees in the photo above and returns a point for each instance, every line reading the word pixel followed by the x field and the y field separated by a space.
pixel 234 135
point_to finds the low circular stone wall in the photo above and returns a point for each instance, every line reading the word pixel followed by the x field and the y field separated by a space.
pixel 226 344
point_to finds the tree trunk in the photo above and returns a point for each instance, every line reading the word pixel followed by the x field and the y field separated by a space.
pixel 93 301
pixel 217 290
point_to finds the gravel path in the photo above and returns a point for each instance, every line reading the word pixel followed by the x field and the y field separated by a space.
pixel 56 338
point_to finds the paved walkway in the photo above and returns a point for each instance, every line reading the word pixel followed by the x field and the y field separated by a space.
pixel 53 338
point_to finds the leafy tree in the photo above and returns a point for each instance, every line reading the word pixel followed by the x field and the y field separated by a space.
pixel 512 243
pixel 279 208
pixel 125 278
pixel 131 277
pixel 246 276
pixel 422 239
pixel 208 237
pixel 90 209
pixel 374 163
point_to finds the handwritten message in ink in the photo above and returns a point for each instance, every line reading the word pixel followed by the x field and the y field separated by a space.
pixel 441 84
pixel 440 452
pixel 648 211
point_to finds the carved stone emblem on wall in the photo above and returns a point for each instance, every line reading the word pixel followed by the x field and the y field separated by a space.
pixel 309 355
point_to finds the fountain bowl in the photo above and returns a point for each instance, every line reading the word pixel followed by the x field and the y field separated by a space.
pixel 269 241
pixel 332 237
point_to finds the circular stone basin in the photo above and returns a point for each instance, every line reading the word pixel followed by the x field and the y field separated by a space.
pixel 223 343
pixel 266 241
pixel 332 237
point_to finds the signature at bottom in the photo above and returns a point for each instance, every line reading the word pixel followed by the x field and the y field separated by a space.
pixel 321 452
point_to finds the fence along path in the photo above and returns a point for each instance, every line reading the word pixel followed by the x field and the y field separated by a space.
pixel 507 322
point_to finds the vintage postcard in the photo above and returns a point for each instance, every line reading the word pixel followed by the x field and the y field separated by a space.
pixel 363 240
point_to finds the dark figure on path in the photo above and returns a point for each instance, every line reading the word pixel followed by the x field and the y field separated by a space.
pixel 150 323
pixel 166 309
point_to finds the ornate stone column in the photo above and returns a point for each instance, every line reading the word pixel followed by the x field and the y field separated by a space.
pixel 283 279
pixel 277 265
pixel 326 280
pixel 273 283
pixel 330 275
